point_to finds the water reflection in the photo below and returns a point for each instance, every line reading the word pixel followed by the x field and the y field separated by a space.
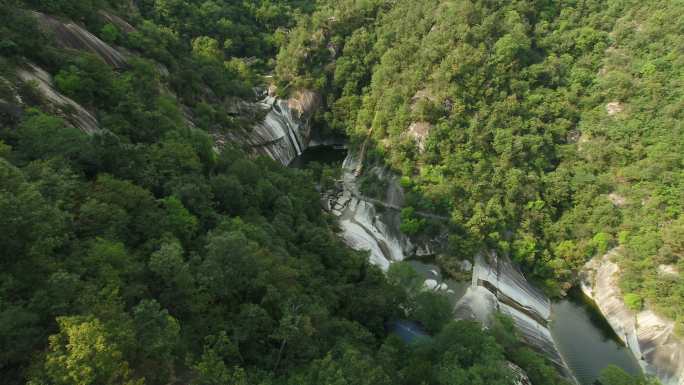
pixel 586 339
pixel 322 154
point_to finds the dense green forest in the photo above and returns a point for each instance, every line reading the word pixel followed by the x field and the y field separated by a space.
pixel 550 130
pixel 143 254
pixel 140 254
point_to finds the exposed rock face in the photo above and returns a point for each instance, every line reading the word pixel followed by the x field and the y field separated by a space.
pixel 115 20
pixel 424 94
pixel 285 132
pixel 362 227
pixel 617 200
pixel 71 35
pixel 272 90
pixel 650 337
pixel 281 135
pixel 419 132
pixel 497 285
pixel 614 108
pixel 521 377
pixel 670 270
pixel 304 103
pixel 74 113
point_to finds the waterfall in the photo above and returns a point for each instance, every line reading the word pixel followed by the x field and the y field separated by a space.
pixel 292 128
pixel 498 285
pixel 362 228
pixel 280 136
pixel 509 282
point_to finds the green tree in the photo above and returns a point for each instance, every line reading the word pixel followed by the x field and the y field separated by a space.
pixel 206 48
pixel 613 375
pixel 85 352
pixel 432 310
pixel 110 33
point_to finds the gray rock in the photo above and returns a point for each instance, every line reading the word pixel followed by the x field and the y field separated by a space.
pixel 649 336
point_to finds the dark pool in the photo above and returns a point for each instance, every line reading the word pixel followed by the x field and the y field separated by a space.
pixel 586 340
pixel 321 154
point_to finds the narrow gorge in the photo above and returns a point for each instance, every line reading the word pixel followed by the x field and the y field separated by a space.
pixel 307 192
pixel 497 285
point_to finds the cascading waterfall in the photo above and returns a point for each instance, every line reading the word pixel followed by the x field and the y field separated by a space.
pixel 280 136
pixel 497 285
pixel 362 228
pixel 283 111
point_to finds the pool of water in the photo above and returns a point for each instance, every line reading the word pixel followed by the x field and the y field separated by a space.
pixel 455 289
pixel 408 331
pixel 586 340
pixel 581 334
pixel 322 154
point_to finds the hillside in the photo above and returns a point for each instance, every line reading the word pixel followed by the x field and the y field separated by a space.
pixel 550 132
pixel 150 233
pixel 138 245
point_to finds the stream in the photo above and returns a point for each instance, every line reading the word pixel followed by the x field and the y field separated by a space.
pixel 577 331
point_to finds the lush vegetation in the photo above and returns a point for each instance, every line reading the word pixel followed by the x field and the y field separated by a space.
pixel 551 131
pixel 612 375
pixel 140 254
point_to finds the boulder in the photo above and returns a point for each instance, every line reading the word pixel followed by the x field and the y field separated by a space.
pixel 304 103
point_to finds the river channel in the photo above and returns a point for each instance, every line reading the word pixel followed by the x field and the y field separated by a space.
pixel 581 333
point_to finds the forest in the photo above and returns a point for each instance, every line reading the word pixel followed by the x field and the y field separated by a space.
pixel 145 254
pixel 550 131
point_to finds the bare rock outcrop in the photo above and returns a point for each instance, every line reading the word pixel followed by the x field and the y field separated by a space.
pixel 614 108
pixel 419 132
pixel 284 132
pixel 424 94
pixel 617 200
pixel 115 20
pixel 74 113
pixel 71 35
pixel 304 103
pixel 649 336
pixel 498 285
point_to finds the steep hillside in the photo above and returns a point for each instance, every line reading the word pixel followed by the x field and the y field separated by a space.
pixel 549 131
pixel 135 248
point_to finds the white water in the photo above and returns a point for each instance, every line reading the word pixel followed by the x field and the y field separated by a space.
pixel 497 285
pixel 362 228
pixel 510 282
pixel 280 136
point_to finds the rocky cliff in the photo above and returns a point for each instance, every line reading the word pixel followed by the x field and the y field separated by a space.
pixel 650 337
pixel 70 35
pixel 74 113
pixel 285 131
